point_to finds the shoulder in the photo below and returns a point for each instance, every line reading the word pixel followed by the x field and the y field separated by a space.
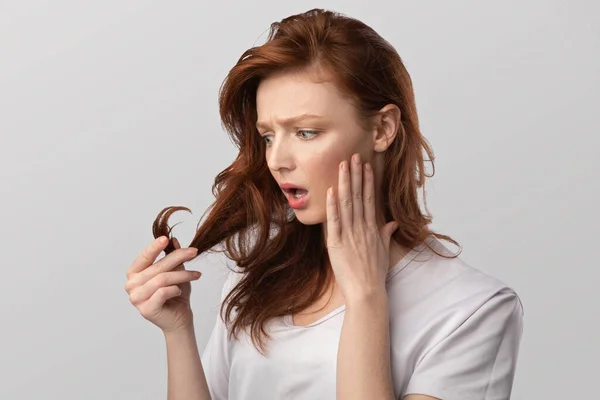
pixel 452 279
pixel 448 291
pixel 457 328
pixel 232 277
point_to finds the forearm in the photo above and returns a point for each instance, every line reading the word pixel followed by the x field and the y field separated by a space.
pixel 186 379
pixel 363 364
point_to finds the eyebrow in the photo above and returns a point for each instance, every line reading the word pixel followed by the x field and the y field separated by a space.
pixel 289 121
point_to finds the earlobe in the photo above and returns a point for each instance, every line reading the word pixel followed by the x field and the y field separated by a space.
pixel 387 127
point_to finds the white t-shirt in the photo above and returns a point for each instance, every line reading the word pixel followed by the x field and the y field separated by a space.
pixel 454 330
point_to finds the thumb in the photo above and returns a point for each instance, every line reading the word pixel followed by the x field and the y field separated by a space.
pixel 388 231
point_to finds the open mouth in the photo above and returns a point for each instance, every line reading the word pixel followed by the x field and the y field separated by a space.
pixel 300 193
pixel 296 193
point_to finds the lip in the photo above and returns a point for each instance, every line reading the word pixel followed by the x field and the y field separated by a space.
pixel 289 186
pixel 294 202
pixel 289 190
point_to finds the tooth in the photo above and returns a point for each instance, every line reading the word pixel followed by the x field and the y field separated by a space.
pixel 299 193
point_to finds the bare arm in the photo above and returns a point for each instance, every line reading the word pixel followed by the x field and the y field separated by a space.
pixel 364 370
pixel 186 379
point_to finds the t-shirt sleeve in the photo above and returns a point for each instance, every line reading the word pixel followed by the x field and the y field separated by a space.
pixel 215 357
pixel 477 361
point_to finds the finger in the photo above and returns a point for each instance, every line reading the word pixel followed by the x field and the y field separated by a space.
pixel 344 196
pixel 168 263
pixel 369 196
pixel 171 262
pixel 152 308
pixel 148 256
pixel 177 245
pixel 144 292
pixel 334 229
pixel 388 231
pixel 357 192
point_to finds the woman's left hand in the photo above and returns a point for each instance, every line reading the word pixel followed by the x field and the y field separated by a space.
pixel 358 249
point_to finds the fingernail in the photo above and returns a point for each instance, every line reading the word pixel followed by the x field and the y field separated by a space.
pixel 192 250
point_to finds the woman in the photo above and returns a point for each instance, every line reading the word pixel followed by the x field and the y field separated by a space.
pixel 341 294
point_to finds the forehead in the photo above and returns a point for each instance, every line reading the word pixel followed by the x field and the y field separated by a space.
pixel 288 94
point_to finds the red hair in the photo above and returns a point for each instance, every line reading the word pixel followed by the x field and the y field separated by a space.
pixel 284 263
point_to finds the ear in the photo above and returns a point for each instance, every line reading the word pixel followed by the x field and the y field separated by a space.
pixel 387 123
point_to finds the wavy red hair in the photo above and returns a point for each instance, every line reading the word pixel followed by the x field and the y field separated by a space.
pixel 284 263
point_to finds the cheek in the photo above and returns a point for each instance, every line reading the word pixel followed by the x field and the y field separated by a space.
pixel 324 171
pixel 322 164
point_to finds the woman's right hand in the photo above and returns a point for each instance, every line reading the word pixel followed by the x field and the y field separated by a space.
pixel 161 290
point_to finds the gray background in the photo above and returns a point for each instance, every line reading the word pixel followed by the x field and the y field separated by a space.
pixel 108 113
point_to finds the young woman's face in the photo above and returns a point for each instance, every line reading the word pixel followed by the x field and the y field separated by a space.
pixel 306 152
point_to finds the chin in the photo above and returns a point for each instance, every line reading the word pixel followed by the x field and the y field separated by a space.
pixel 305 217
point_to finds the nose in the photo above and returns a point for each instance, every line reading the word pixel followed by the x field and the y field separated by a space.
pixel 279 154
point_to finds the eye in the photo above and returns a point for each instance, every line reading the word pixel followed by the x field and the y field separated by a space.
pixel 265 140
pixel 301 132
pixel 308 131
